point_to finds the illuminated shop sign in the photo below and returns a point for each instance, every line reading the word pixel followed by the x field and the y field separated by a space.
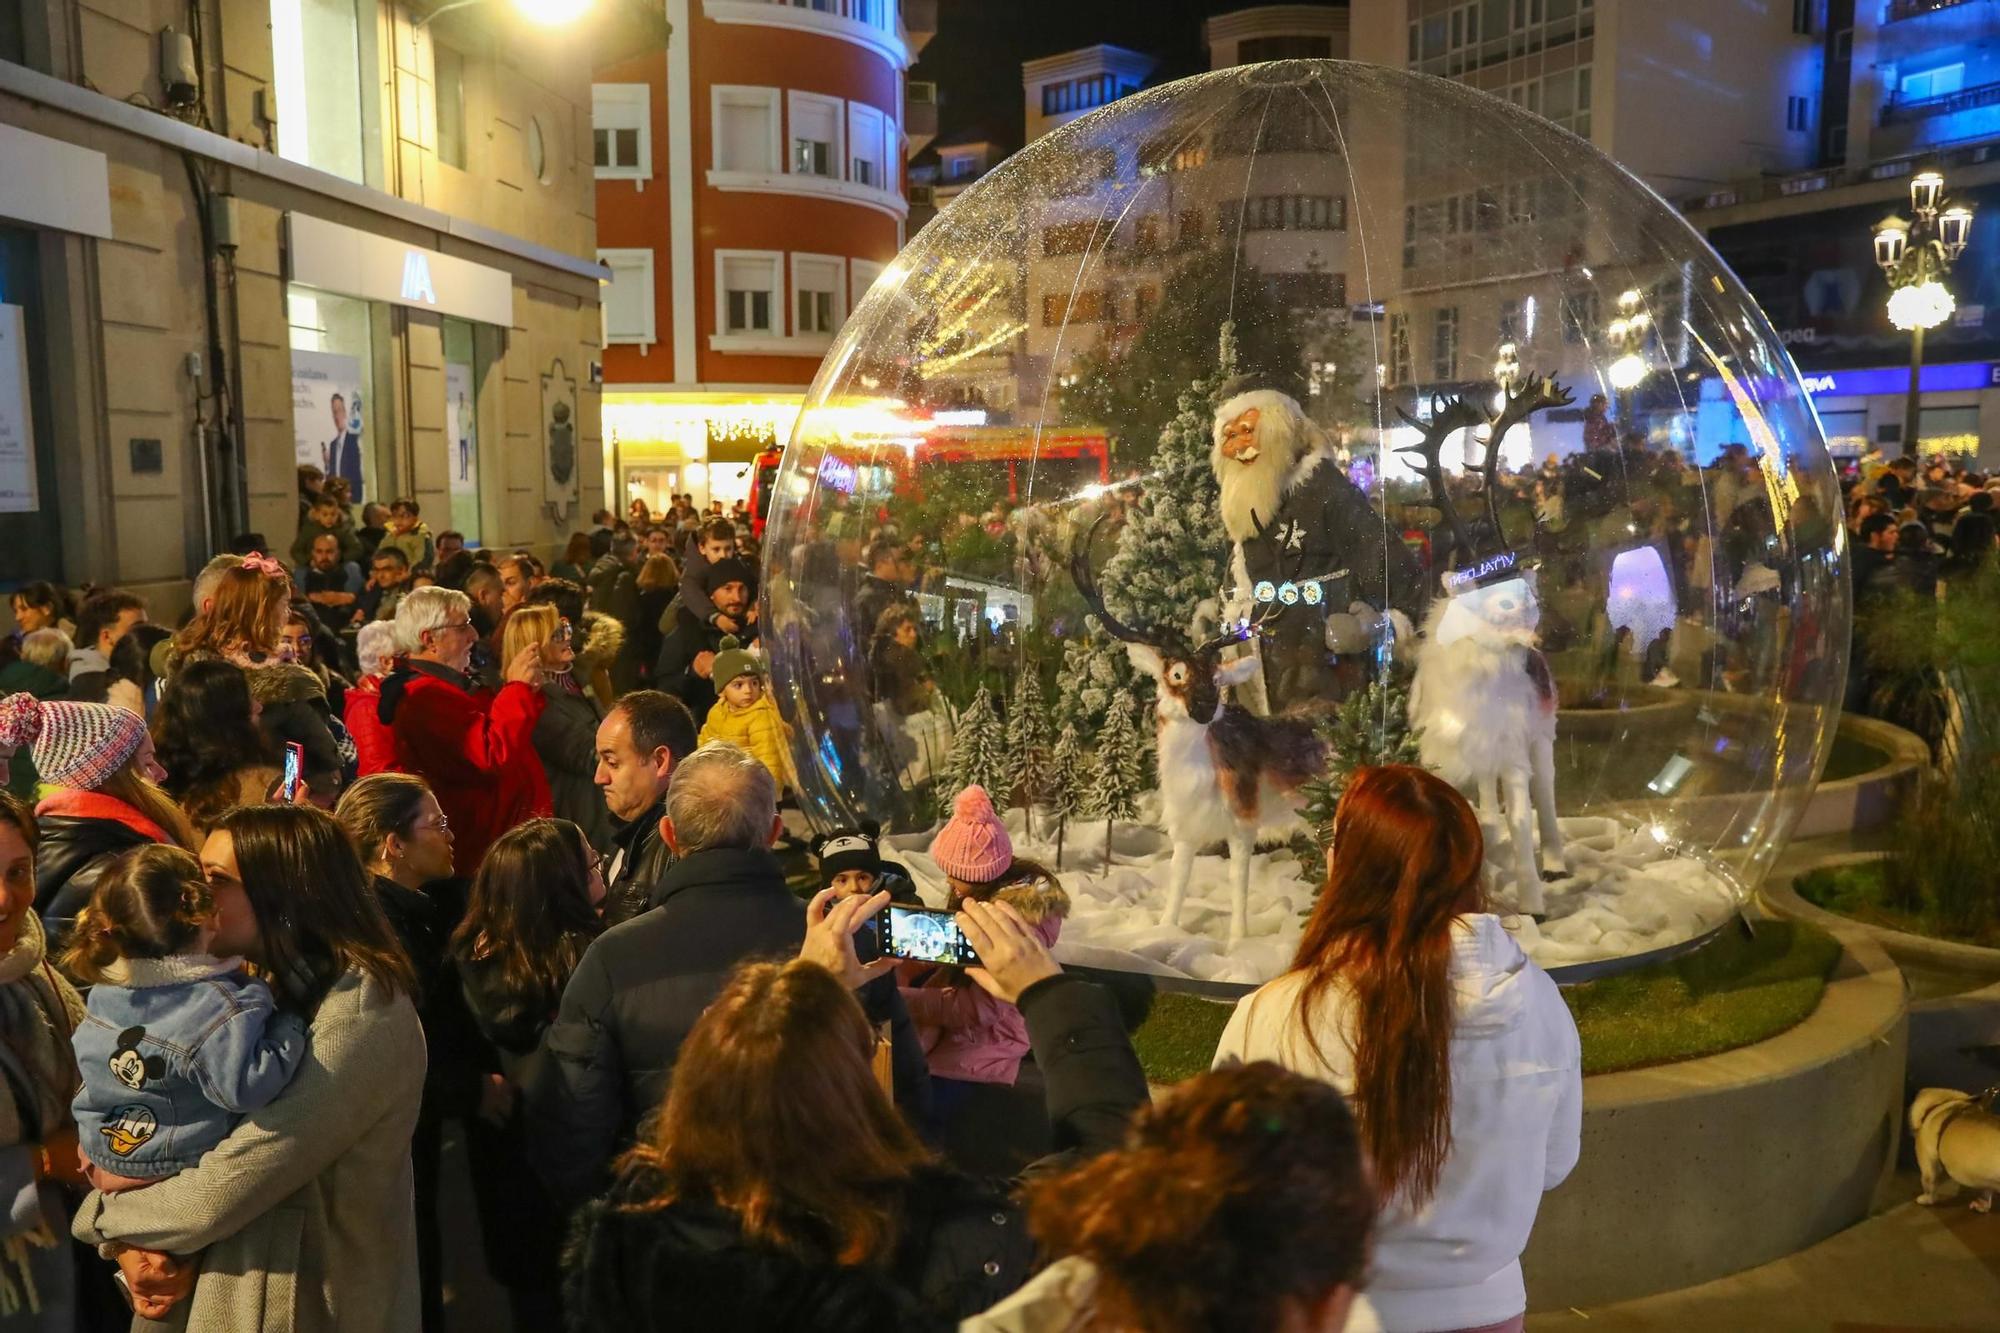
pixel 1947 377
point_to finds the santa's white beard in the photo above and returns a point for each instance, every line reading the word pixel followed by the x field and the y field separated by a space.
pixel 1251 493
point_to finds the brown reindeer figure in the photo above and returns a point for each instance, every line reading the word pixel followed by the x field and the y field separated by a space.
pixel 1225 773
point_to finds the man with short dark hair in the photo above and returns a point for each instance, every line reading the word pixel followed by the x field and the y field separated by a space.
pixel 388 580
pixel 640 740
pixel 103 619
pixel 449 543
pixel 686 665
pixel 641 985
pixel 884 583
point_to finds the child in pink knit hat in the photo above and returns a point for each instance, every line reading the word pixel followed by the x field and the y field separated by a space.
pixel 971 1036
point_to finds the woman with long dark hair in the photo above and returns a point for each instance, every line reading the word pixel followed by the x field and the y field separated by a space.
pixel 206 736
pixel 405 843
pixel 532 913
pixel 301 1218
pixel 1458 1054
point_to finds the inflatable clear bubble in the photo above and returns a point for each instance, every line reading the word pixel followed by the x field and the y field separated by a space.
pixel 1297 416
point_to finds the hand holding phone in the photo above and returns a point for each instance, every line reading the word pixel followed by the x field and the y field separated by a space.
pixel 831 922
pixel 295 769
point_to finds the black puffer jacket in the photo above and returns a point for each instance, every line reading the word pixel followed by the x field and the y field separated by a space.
pixel 965 1243
pixel 634 997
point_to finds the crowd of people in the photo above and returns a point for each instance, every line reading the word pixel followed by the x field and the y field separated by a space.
pixel 484 849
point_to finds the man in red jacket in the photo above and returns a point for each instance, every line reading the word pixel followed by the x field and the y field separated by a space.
pixel 475 748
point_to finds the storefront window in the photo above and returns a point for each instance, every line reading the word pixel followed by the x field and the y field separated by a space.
pixel 657 486
pixel 316 53
pixel 30 535
pixel 461 426
pixel 333 393
pixel 1949 430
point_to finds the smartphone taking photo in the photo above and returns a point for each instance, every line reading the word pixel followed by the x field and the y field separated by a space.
pixel 295 769
pixel 924 935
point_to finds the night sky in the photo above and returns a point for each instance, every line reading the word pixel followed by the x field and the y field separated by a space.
pixel 975 59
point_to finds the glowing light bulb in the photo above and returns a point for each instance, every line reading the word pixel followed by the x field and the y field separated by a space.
pixel 1923 305
pixel 549 13
pixel 1627 371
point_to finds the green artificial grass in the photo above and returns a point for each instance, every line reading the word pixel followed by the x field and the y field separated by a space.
pixel 1861 891
pixel 1732 992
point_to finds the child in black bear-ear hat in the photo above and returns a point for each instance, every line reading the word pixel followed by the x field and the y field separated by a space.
pixel 850 861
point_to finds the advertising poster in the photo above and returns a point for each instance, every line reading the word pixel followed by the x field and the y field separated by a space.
pixel 461 420
pixel 18 491
pixel 327 415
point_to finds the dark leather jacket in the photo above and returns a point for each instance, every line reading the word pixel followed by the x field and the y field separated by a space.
pixel 646 857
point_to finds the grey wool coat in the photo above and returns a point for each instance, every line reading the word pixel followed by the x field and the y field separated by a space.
pixel 303 1217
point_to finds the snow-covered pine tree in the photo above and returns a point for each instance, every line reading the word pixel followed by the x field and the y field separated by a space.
pixel 978 752
pixel 1028 737
pixel 1173 555
pixel 1371 727
pixel 1067 776
pixel 1119 769
pixel 1096 672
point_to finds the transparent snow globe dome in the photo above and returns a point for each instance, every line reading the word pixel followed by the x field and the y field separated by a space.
pixel 1039 372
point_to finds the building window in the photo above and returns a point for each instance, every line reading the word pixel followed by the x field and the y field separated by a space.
pixel 1939 82
pixel 1798 114
pixel 1059 308
pixel 817 136
pixel 868 153
pixel 1069 238
pixel 448 69
pixel 861 275
pixel 746 132
pixel 621 124
pixel 1401 370
pixel 316 73
pixel 1295 212
pixel 748 291
pixel 960 168
pixel 627 300
pixel 1297 46
pixel 1444 343
pixel 1510 321
pixel 817 283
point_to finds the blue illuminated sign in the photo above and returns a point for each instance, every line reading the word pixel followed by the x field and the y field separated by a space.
pixel 1945 377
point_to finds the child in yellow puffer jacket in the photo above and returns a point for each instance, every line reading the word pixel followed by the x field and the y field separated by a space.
pixel 745 715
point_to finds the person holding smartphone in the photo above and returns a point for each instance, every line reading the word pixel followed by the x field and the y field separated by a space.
pixel 850 863
pixel 773 1100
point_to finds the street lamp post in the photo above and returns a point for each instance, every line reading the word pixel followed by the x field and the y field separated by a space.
pixel 1916 257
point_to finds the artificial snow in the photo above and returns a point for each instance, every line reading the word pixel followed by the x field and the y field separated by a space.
pixel 1626 893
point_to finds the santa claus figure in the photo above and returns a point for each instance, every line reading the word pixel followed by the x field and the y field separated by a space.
pixel 1293 515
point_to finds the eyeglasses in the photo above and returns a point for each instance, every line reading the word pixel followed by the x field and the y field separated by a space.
pixel 564 633
pixel 441 824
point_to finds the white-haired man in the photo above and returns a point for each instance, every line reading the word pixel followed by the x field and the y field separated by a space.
pixel 474 748
pixel 1291 513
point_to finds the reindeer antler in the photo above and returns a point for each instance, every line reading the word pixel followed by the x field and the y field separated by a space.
pixel 1448 416
pixel 1093 597
pixel 1536 393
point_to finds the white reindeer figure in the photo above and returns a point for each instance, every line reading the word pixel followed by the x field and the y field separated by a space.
pixel 1483 694
pixel 1225 772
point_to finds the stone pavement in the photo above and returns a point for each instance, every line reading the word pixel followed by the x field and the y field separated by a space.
pixel 1907 1270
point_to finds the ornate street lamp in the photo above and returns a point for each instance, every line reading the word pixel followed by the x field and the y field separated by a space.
pixel 1627 334
pixel 1916 257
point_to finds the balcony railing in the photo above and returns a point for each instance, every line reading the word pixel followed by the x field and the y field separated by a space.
pixel 1898 112
pixel 1759 189
pixel 1911 9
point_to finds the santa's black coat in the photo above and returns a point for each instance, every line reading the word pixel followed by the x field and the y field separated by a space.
pixel 1325 526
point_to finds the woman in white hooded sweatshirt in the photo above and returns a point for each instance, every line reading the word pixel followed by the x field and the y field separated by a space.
pixel 1457 1053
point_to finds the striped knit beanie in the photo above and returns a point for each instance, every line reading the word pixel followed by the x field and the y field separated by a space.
pixel 82 745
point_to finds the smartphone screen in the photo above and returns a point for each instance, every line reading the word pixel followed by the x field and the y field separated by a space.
pixel 924 935
pixel 295 767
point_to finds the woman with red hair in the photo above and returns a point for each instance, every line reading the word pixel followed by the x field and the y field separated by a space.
pixel 1457 1053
